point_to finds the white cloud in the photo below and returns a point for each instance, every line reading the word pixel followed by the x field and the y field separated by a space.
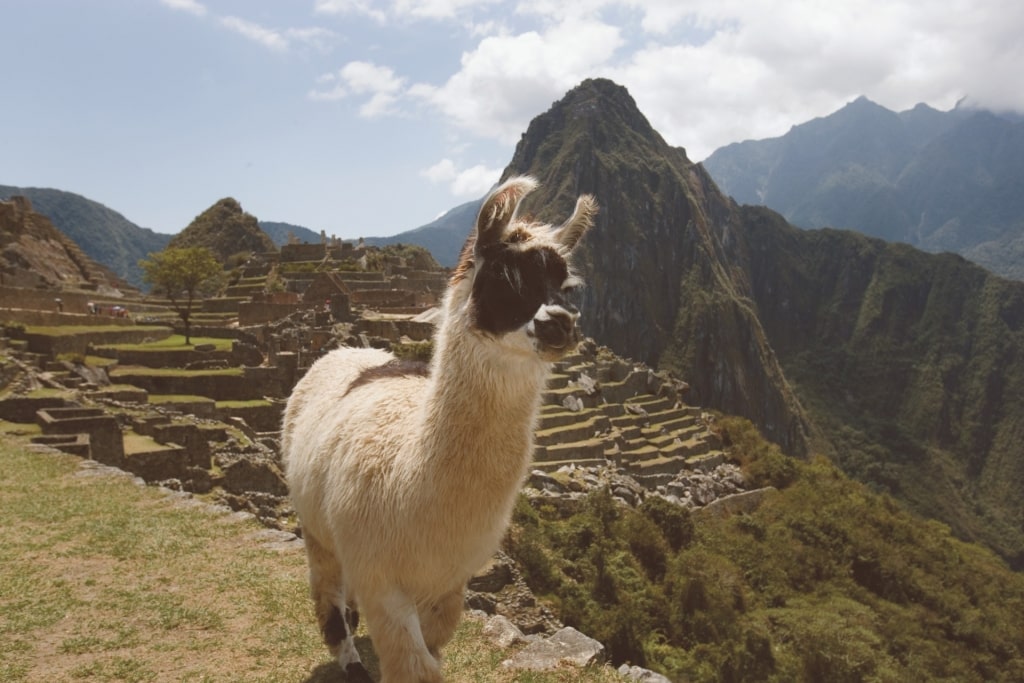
pixel 767 65
pixel 320 39
pixel 280 41
pixel 402 9
pixel 508 79
pixel 190 6
pixel 380 83
pixel 474 181
pixel 264 36
pixel 350 7
pixel 705 72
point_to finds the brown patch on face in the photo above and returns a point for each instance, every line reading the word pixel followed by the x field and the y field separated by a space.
pixel 465 260
pixel 519 235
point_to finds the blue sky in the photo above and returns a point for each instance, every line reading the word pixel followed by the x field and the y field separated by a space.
pixel 368 118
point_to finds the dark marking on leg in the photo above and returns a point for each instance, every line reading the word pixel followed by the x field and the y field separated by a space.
pixel 352 618
pixel 334 629
pixel 357 673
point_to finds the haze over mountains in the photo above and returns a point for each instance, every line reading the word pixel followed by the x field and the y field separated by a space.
pixel 901 366
pixel 941 181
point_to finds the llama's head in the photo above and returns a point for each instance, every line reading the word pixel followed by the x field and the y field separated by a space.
pixel 514 281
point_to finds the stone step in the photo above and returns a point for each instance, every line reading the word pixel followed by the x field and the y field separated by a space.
pixel 586 449
pixel 555 465
pixel 629 420
pixel 558 381
pixel 651 403
pixel 707 461
pixel 637 453
pixel 555 397
pixel 567 362
pixel 552 416
pixel 683 423
pixel 613 409
pixel 686 448
pixel 629 432
pixel 670 414
pixel 583 429
pixel 658 465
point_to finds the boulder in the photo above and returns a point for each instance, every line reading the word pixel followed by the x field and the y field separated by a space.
pixel 567 646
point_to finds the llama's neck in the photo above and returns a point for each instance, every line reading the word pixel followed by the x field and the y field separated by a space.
pixel 481 408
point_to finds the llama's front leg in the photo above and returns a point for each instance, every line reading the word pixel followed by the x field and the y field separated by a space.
pixel 395 630
pixel 337 620
pixel 440 620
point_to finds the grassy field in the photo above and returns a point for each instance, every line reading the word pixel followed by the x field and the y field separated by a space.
pixel 104 580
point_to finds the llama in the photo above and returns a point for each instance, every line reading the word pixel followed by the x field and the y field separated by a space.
pixel 404 476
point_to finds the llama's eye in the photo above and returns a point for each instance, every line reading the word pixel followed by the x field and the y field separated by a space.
pixel 571 285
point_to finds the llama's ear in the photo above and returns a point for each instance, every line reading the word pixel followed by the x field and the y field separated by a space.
pixel 581 220
pixel 499 209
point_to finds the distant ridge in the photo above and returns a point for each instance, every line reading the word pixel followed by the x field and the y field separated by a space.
pixel 103 234
pixel 279 232
pixel 442 237
pixel 941 181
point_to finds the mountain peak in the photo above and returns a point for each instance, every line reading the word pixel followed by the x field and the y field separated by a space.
pixel 225 229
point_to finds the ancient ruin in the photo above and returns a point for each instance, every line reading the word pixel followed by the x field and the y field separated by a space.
pixel 89 377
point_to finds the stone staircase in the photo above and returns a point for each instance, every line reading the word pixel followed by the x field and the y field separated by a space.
pixel 601 410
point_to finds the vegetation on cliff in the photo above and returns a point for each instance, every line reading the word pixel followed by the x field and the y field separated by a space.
pixel 911 365
pixel 825 581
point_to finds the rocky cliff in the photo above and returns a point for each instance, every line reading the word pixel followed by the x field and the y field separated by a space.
pixel 661 285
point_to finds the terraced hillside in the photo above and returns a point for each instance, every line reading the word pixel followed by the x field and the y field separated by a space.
pixel 602 410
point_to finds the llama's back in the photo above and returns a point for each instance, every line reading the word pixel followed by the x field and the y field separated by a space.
pixel 318 396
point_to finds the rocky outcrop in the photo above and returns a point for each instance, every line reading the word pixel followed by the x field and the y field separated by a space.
pixel 33 253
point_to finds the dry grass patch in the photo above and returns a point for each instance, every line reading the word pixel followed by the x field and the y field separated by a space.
pixel 103 580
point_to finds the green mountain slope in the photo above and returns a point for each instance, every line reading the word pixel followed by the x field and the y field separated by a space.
pixel 443 237
pixel 824 581
pixel 104 235
pixel 280 232
pixel 902 366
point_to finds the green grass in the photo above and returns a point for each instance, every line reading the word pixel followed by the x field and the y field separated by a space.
pixel 253 403
pixel 173 343
pixel 168 372
pixel 68 330
pixel 157 399
pixel 103 580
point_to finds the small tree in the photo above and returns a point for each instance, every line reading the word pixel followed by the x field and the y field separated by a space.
pixel 182 275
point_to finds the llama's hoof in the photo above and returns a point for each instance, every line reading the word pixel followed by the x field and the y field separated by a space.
pixel 357 673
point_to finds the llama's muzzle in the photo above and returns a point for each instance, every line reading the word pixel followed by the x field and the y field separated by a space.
pixel 554 329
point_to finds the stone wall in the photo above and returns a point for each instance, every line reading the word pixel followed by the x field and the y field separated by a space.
pixel 106 443
pixel 383 297
pixel 79 343
pixel 27 299
pixel 257 313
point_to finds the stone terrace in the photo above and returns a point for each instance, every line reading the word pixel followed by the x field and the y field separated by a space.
pixel 601 410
